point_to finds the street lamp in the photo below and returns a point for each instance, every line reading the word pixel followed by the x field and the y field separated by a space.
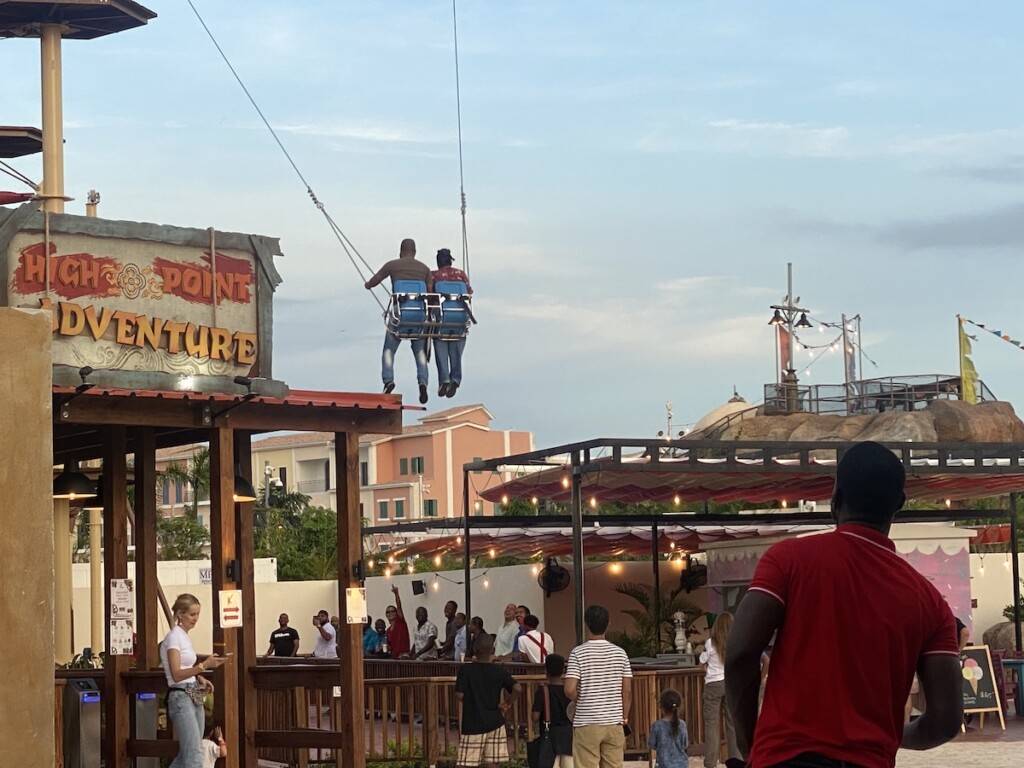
pixel 791 315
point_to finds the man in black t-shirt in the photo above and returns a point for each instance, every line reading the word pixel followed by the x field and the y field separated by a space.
pixel 284 641
pixel 486 692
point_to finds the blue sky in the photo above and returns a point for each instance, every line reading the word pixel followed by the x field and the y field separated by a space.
pixel 638 174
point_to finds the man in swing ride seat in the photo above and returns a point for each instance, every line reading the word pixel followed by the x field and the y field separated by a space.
pixel 448 354
pixel 405 267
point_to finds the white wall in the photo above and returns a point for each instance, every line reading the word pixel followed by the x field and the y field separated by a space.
pixel 301 599
pixel 993 590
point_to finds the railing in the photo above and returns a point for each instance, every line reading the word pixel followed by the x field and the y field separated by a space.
pixel 410 710
pixel 894 393
pixel 312 486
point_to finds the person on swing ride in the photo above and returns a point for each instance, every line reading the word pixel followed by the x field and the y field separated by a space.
pixel 448 354
pixel 405 267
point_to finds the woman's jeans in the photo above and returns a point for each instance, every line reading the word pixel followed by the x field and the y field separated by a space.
pixel 448 355
pixel 189 721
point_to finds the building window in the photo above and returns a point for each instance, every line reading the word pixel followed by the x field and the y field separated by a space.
pixel 167 491
pixel 497 508
pixel 382 510
pixel 327 474
pixel 430 508
pixel 282 475
pixel 179 492
pixel 403 466
pixel 417 465
pixel 399 508
pixel 364 473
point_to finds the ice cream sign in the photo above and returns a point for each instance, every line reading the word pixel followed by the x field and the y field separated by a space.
pixel 979 689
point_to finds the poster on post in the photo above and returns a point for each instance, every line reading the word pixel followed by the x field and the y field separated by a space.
pixel 122 599
pixel 122 637
pixel 979 682
pixel 355 605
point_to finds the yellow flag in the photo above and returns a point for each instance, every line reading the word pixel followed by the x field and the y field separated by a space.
pixel 968 373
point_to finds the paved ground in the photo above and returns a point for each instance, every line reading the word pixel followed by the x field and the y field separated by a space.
pixel 990 747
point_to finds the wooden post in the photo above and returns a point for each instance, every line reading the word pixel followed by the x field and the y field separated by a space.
pixel 115 566
pixel 350 636
pixel 222 552
pixel 147 587
pixel 247 651
pixel 576 510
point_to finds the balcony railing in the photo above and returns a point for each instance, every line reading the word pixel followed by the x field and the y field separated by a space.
pixel 312 486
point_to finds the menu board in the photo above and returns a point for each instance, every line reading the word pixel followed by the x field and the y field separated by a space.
pixel 979 682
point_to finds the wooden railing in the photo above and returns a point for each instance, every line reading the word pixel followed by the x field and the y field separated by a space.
pixel 410 710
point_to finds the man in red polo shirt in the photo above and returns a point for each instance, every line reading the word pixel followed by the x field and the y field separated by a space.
pixel 854 621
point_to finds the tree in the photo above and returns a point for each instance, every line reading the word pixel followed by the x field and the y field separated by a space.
pixel 181 538
pixel 196 474
pixel 305 544
pixel 652 618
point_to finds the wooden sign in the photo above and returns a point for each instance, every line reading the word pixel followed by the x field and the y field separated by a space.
pixel 979 683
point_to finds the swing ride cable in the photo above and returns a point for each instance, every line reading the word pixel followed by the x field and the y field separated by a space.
pixel 458 110
pixel 14 173
pixel 341 237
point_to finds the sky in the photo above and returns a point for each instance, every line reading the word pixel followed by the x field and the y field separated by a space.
pixel 638 175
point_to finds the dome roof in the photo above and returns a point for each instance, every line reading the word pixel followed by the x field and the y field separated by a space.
pixel 736 404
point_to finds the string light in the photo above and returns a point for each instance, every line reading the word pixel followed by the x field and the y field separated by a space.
pixel 593 502
pixel 492 553
pixel 437 584
pixel 410 568
pixel 565 482
pixel 676 500
pixel 458 540
pixel 534 501
pixel 391 560
pixel 486 583
pixel 615 567
pixel 948 503
pixel 535 570
pixel 437 560
pixel 504 500
pixel 783 503
pixel 1006 562
pixel 981 568
pixel 387 573
pixel 370 563
pixel 672 545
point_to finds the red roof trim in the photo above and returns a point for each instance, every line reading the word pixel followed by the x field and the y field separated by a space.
pixel 297 397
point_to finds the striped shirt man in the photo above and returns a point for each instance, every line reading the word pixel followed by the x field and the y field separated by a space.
pixel 599 666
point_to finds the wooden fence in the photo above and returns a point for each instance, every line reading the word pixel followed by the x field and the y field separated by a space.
pixel 411 715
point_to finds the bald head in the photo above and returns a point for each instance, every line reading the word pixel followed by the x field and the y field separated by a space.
pixel 407 250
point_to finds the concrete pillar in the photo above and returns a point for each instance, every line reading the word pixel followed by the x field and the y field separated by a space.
pixel 26 548
pixel 96 614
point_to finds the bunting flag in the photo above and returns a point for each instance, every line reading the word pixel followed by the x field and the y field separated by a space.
pixel 783 340
pixel 1016 342
pixel 968 373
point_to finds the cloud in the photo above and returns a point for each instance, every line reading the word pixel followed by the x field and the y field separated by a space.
pixel 955 144
pixel 790 138
pixel 997 228
pixel 859 88
pixel 367 130
pixel 1009 170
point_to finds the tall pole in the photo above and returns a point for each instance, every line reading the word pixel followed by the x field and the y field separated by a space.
pixel 789 315
pixel 577 544
pixel 466 551
pixel 1015 565
pixel 96 617
pixel 657 585
pixel 53 119
pixel 63 644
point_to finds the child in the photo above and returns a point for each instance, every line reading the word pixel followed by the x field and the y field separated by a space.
pixel 485 691
pixel 561 725
pixel 213 747
pixel 668 735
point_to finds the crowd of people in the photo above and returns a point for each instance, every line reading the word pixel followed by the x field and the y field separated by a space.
pixel 828 702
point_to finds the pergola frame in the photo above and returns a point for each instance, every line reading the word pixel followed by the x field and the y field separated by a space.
pixel 567 471
pixel 111 424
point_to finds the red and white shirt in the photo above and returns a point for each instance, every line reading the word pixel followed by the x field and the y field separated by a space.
pixel 536 645
pixel 858 617
pixel 453 274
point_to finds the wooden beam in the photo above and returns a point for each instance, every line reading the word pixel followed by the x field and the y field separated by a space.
pixel 146 517
pixel 350 636
pixel 222 552
pixel 247 658
pixel 115 566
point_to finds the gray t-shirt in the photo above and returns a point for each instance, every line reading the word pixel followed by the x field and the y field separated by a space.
pixel 406 269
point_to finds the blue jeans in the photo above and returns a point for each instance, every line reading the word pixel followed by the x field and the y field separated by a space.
pixel 189 721
pixel 449 360
pixel 387 358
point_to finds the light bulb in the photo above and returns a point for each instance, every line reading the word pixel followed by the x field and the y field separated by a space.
pixel 615 567
pixel 437 586
pixel 1006 563
pixel 593 502
pixel 387 573
pixel 410 568
pixel 437 559
pixel 491 552
pixel 676 500
pixel 458 540
pixel 486 583
pixel 534 501
pixel 565 482
pixel 504 500
pixel 369 563
pixel 391 560
pixel 535 570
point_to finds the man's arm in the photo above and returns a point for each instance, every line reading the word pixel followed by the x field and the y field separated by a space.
pixel 398 601
pixel 269 650
pixel 510 696
pixel 942 683
pixel 377 279
pixel 570 686
pixel 295 645
pixel 758 616
pixel 627 697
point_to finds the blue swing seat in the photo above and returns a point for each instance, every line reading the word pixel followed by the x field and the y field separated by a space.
pixel 407 315
pixel 454 310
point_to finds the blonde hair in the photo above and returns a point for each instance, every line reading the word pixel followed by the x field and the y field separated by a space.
pixel 182 605
pixel 720 633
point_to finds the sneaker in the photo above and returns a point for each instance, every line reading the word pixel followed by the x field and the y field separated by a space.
pixel 452 388
pixel 442 391
pixel 389 387
pixel 423 394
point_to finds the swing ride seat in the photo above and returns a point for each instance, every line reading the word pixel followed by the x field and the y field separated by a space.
pixel 415 314
pixel 455 312
pixel 408 314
